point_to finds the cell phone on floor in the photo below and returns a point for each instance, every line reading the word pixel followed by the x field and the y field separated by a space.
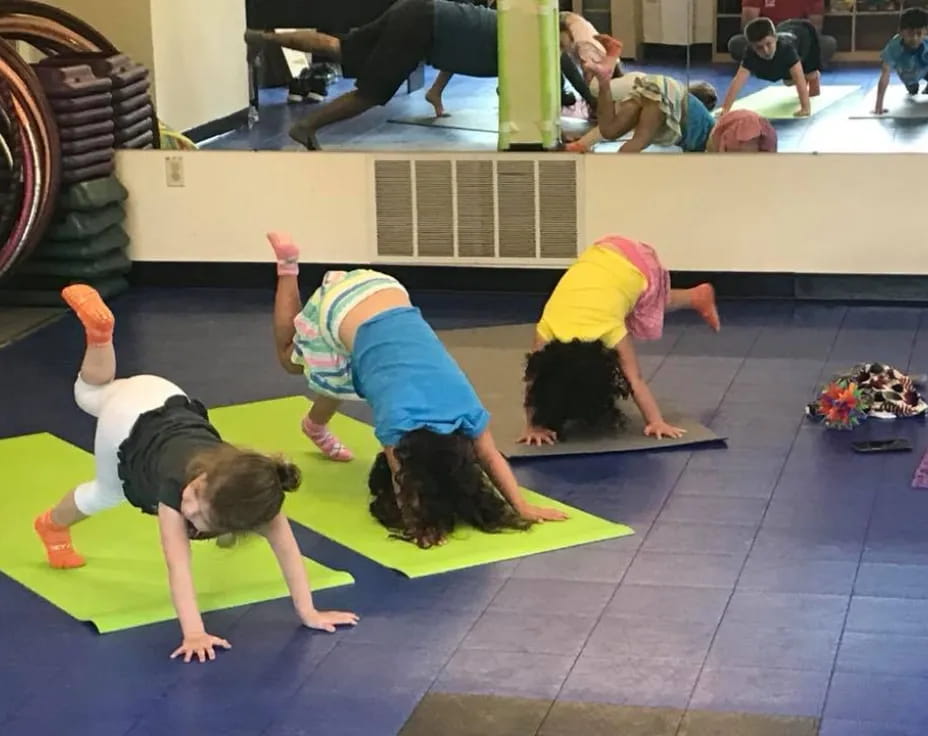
pixel 897 445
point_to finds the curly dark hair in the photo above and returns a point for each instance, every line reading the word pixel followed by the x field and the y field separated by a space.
pixel 440 485
pixel 575 386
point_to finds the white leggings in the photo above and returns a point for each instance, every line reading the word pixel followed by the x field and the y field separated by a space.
pixel 117 406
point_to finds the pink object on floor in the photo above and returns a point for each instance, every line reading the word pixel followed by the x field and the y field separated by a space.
pixel 920 479
pixel 741 126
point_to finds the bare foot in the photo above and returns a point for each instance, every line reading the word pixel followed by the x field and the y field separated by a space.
pixel 434 99
pixel 305 136
pixel 702 298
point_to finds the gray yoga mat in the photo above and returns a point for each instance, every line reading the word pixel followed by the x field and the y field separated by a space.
pixel 493 358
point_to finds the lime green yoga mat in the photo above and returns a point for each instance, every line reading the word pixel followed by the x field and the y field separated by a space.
pixel 333 500
pixel 124 583
pixel 779 102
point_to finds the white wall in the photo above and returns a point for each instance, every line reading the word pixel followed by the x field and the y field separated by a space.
pixel 199 57
pixel 789 212
pixel 232 199
pixel 194 51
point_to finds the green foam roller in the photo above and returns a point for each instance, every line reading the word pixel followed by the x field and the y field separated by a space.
pixel 77 225
pixel 98 246
pixel 529 74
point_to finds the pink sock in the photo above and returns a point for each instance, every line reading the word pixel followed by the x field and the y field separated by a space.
pixel 326 441
pixel 288 255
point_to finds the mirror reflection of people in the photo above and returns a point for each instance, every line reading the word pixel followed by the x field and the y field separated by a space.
pixel 789 52
pixel 658 110
pixel 459 38
pixel 906 54
pixel 742 131
pixel 583 360
pixel 778 11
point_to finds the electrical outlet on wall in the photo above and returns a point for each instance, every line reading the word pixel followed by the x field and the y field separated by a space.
pixel 174 171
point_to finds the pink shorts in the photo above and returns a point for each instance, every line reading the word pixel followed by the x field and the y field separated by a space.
pixel 646 321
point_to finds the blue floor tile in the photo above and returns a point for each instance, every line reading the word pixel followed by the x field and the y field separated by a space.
pixel 626 681
pixel 353 712
pixel 807 543
pixel 878 699
pixel 672 603
pixel 798 576
pixel 519 674
pixel 647 638
pixel 892 581
pixel 753 690
pixel 553 596
pixel 718 539
pixel 743 644
pixel 589 563
pixel 536 633
pixel 714 510
pixel 736 483
pixel 889 654
pixel 701 571
pixel 837 727
pixel 802 612
pixel 900 616
pixel 437 633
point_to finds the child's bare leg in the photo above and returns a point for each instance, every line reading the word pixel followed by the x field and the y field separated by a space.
pixel 433 96
pixel 287 302
pixel 700 299
pixel 650 120
pixel 310 42
pixel 98 369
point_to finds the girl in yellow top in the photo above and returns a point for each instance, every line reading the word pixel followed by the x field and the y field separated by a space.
pixel 583 359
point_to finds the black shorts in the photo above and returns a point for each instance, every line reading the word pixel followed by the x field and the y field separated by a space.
pixel 382 54
pixel 807 43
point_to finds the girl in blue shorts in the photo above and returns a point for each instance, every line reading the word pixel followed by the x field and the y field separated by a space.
pixel 360 337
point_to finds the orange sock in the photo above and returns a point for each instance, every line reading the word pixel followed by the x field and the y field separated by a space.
pixel 57 541
pixel 91 311
pixel 703 300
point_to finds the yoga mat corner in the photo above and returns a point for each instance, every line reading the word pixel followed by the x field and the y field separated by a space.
pixel 124 583
pixel 333 500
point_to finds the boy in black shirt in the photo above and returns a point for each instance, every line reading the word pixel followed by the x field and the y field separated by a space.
pixel 788 52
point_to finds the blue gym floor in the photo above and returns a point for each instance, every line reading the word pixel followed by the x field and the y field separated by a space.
pixel 830 131
pixel 783 575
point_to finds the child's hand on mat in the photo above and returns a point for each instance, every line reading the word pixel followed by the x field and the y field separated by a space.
pixel 328 620
pixel 538 436
pixel 538 513
pixel 659 430
pixel 201 646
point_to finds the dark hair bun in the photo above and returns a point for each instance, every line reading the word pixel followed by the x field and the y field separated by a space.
pixel 289 475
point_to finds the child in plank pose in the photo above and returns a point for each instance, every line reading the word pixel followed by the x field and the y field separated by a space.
pixel 790 52
pixel 907 55
pixel 156 449
pixel 583 359
pixel 659 109
pixel 359 336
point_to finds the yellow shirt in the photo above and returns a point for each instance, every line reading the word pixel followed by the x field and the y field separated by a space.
pixel 593 298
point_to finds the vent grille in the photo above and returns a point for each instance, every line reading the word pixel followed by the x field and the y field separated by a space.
pixel 395 222
pixel 486 209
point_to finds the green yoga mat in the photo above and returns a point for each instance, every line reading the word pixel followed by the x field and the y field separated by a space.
pixel 124 583
pixel 779 102
pixel 334 498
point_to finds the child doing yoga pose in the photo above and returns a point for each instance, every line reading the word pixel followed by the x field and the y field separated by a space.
pixel 359 336
pixel 583 360
pixel 155 448
pixel 658 109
